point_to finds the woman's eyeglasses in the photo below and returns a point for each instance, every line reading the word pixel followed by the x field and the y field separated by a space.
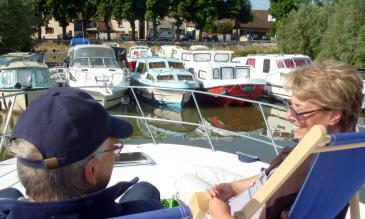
pixel 299 115
pixel 117 147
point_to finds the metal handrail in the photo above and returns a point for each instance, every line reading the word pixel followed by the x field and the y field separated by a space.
pixel 203 125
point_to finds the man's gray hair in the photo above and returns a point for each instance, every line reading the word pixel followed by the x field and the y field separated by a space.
pixel 50 184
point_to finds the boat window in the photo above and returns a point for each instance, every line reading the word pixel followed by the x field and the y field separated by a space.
pixel 24 76
pixel 81 62
pixel 96 62
pixel 150 77
pixel 109 62
pixel 41 78
pixel 280 63
pixel 266 67
pixel 141 68
pixel 7 77
pixel 216 73
pixel 185 77
pixel 227 73
pixel 202 74
pixel 201 57
pixel 191 70
pixel 145 53
pixel 165 77
pixel 251 62
pixel 308 61
pixel 176 65
pixel 186 56
pixel 221 57
pixel 289 63
pixel 153 65
pixel 299 62
pixel 242 73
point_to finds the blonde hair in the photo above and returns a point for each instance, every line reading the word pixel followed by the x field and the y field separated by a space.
pixel 331 85
pixel 50 184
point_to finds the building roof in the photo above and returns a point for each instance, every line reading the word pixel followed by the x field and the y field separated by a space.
pixel 260 20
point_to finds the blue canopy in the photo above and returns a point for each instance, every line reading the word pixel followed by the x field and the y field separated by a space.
pixel 79 41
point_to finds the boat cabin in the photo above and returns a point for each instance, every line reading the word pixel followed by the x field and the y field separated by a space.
pixel 266 64
pixel 136 52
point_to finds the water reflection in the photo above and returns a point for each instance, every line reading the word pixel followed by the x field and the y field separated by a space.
pixel 161 128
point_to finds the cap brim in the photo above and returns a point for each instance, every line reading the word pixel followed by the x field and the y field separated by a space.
pixel 120 128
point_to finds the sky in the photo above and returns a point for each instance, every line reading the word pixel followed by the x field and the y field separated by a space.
pixel 260 4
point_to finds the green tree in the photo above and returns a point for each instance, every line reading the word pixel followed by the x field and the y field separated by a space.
pixel 345 36
pixel 238 10
pixel 177 11
pixel 281 8
pixel 42 15
pixel 201 13
pixel 130 10
pixel 303 30
pixel 16 21
pixel 86 10
pixel 156 10
pixel 63 12
pixel 105 12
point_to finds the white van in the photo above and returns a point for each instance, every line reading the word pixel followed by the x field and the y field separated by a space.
pixel 162 35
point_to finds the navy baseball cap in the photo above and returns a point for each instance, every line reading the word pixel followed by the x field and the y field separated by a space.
pixel 66 125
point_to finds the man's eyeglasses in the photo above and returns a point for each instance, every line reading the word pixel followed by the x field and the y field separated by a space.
pixel 300 115
pixel 117 147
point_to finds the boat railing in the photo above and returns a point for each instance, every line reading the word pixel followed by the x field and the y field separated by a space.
pixel 201 123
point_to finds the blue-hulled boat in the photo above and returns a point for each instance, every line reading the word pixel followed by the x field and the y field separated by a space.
pixel 160 74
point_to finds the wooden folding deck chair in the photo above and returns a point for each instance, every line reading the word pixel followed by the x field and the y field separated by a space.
pixel 336 174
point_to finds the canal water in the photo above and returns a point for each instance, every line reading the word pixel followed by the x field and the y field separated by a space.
pixel 246 120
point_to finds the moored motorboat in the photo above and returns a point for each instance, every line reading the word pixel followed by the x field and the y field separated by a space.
pixel 22 72
pixel 273 68
pixel 95 69
pixel 220 76
pixel 159 73
pixel 136 52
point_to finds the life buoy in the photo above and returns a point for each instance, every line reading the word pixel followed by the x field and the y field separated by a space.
pixel 135 53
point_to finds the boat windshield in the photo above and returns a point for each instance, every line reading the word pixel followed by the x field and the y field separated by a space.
pixel 221 57
pixel 153 65
pixel 95 62
pixel 293 62
pixel 94 52
pixel 201 57
pixel 176 65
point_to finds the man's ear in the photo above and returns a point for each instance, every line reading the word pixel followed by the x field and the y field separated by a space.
pixel 336 116
pixel 89 171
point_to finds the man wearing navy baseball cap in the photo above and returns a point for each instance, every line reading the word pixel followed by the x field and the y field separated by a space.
pixel 65 143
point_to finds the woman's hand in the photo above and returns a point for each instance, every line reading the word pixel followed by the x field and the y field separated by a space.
pixel 218 209
pixel 222 191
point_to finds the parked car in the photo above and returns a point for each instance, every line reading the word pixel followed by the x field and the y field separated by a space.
pixel 125 37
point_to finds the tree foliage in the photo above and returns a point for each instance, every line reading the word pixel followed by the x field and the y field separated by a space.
pixel 16 22
pixel 345 37
pixel 202 13
pixel 63 12
pixel 130 10
pixel 156 10
pixel 105 13
pixel 302 31
pixel 42 15
pixel 281 8
pixel 330 30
